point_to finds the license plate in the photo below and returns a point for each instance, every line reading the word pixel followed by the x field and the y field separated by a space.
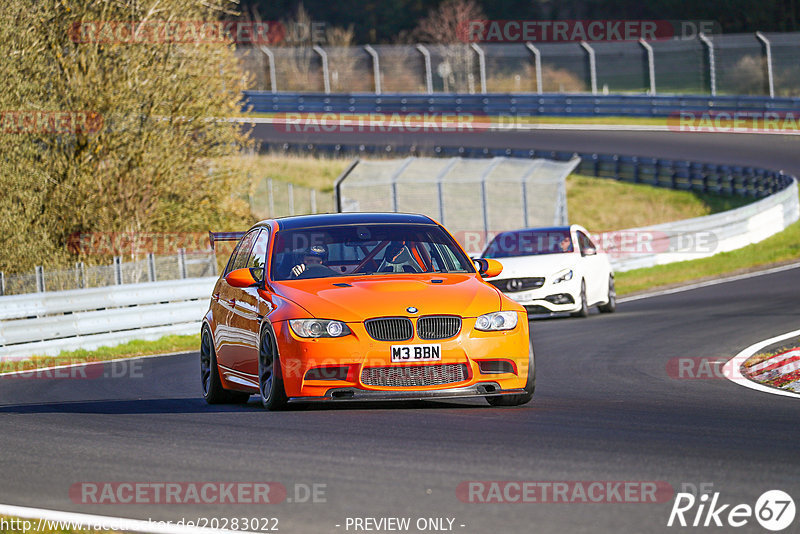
pixel 416 353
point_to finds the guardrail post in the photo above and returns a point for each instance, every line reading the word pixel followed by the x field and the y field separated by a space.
pixel 151 267
pixel 592 66
pixel 326 75
pixel 428 72
pixel 117 264
pixel 712 69
pixel 651 66
pixel 39 279
pixel 376 68
pixel 537 60
pixel 182 263
pixel 768 57
pixel 271 59
pixel 2 283
pixel 481 65
pixel 636 170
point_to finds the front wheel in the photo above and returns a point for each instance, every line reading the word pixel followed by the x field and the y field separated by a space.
pixel 611 305
pixel 584 311
pixel 213 392
pixel 270 381
pixel 530 386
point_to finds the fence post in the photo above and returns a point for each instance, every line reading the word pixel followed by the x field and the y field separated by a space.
pixel 2 283
pixel 537 58
pixel 428 72
pixel 712 69
pixel 326 75
pixel 182 262
pixel 768 53
pixel 271 58
pixel 376 68
pixel 117 264
pixel 481 66
pixel 651 66
pixel 40 279
pixel 271 195
pixel 80 275
pixel 592 66
pixel 151 266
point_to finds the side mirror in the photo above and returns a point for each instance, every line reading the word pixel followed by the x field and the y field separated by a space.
pixel 487 267
pixel 242 278
pixel 588 251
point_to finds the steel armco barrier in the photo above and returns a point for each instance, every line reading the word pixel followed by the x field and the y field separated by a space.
pixel 522 104
pixel 47 323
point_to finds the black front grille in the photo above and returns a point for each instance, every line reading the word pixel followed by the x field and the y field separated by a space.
pixel 417 375
pixel 390 329
pixel 515 285
pixel 438 326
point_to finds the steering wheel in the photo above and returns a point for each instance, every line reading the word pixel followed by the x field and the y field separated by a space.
pixel 313 271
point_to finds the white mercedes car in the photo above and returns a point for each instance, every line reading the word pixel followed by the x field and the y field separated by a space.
pixel 553 270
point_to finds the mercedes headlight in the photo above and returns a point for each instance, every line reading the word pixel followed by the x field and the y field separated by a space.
pixel 563 276
pixel 318 328
pixel 505 320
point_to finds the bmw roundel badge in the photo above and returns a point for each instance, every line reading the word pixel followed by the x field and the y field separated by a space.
pixel 412 309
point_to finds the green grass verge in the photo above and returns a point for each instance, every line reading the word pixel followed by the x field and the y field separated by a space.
pixel 130 349
pixel 780 248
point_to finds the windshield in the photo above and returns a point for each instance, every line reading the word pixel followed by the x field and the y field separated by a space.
pixel 529 243
pixel 332 251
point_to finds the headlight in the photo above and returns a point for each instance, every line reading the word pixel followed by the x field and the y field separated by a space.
pixel 563 276
pixel 496 321
pixel 318 328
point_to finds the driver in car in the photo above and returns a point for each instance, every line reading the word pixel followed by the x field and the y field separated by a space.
pixel 314 255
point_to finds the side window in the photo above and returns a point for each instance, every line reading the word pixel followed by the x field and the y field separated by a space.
pixel 585 242
pixel 258 255
pixel 242 252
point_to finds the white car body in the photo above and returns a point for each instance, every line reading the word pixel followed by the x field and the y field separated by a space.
pixel 558 292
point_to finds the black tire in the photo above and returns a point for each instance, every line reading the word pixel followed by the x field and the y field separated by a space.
pixel 530 386
pixel 611 305
pixel 270 380
pixel 213 392
pixel 584 311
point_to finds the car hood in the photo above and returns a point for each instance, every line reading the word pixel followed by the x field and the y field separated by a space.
pixel 530 266
pixel 390 295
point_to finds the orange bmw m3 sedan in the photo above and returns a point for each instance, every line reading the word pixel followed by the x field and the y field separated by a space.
pixel 361 306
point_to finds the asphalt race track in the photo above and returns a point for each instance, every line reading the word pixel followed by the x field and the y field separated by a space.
pixel 761 150
pixel 605 409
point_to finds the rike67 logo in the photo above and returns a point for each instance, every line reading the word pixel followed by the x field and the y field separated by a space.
pixel 774 510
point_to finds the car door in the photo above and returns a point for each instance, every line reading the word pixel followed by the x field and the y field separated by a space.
pixel 248 311
pixel 229 336
pixel 593 269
